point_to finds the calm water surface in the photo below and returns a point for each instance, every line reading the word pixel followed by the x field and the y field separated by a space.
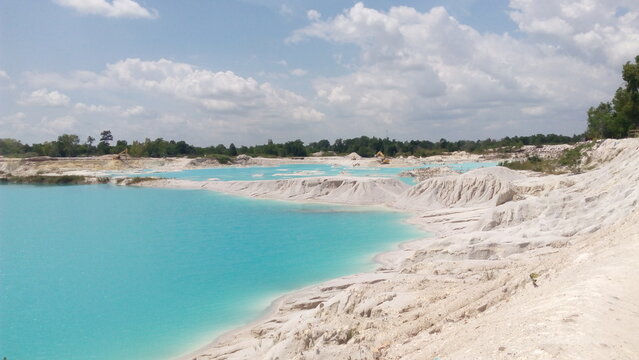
pixel 104 272
pixel 300 170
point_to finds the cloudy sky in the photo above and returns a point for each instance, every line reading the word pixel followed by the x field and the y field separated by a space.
pixel 244 71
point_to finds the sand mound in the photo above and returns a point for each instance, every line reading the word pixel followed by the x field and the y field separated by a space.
pixel 544 152
pixel 202 162
pixel 575 204
pixel 341 190
pixel 613 152
pixel 491 186
pixel 426 173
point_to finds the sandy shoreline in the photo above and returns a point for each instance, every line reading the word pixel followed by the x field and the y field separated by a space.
pixel 468 291
pixel 386 261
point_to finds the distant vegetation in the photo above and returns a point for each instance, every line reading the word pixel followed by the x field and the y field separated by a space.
pixel 569 161
pixel 68 145
pixel 221 158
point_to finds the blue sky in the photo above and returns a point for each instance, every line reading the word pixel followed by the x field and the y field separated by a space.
pixel 214 72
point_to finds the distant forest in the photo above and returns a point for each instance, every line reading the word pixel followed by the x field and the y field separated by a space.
pixel 68 145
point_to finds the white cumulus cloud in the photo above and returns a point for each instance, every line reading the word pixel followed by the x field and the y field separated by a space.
pixel 44 97
pixel 86 80
pixel 113 8
pixel 115 109
pixel 180 99
pixel 419 71
pixel 13 124
pixel 134 111
pixel 60 124
pixel 595 29
pixel 299 72
pixel 534 110
pixel 285 10
pixel 313 15
pixel 222 92
pixel 5 81
pixel 13 118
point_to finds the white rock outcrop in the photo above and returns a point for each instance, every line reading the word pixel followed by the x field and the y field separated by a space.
pixel 335 189
pixel 486 186
pixel 422 174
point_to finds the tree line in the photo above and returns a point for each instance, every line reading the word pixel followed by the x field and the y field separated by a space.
pixel 69 145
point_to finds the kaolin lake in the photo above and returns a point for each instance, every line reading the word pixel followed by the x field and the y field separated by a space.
pixel 105 272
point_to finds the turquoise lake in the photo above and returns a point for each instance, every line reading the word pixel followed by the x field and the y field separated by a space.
pixel 105 272
pixel 291 171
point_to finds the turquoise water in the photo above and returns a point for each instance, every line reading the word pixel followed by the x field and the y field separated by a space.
pixel 299 170
pixel 104 272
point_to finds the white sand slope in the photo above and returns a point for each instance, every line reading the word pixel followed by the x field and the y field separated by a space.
pixel 467 293
pixel 486 186
pixel 336 189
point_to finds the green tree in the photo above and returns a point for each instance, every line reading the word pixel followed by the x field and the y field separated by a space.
pixel 137 149
pixel 323 145
pixel 220 149
pixel 48 148
pixel 270 148
pixel 68 145
pixel 622 119
pixel 103 148
pixel 232 150
pixel 599 119
pixel 120 146
pixel 616 119
pixel 182 148
pixel 11 147
pixel 157 147
pixel 105 137
pixel 294 148
pixel 630 75
pixel 627 103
